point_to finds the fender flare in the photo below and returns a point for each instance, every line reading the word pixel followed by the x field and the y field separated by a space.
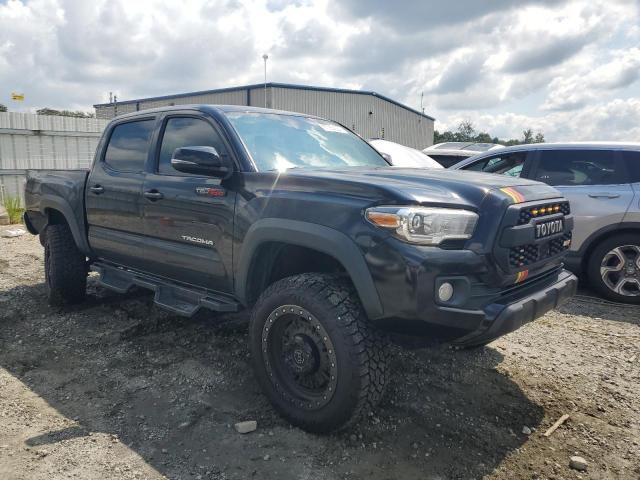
pixel 317 237
pixel 596 237
pixel 575 260
pixel 56 203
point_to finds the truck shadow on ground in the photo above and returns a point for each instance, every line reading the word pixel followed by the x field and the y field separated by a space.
pixel 171 389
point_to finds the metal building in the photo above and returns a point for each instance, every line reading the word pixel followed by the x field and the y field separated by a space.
pixel 32 142
pixel 369 114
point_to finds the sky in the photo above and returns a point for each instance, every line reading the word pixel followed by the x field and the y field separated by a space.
pixel 570 69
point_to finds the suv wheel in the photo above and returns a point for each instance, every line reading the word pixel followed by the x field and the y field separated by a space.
pixel 315 356
pixel 65 267
pixel 614 268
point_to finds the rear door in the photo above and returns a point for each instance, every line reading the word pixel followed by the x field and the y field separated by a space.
pixel 114 192
pixel 188 219
pixel 595 182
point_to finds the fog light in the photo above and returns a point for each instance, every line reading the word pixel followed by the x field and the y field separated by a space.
pixel 445 292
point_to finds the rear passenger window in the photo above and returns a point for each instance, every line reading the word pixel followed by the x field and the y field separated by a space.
pixel 509 164
pixel 128 146
pixel 579 167
pixel 632 162
pixel 186 132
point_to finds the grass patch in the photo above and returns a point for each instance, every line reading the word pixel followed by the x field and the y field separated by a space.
pixel 14 208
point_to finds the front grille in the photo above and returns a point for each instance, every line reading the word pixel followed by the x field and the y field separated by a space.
pixel 557 245
pixel 517 249
pixel 524 255
pixel 538 211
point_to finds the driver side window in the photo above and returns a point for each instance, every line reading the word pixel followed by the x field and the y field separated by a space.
pixel 186 132
pixel 510 164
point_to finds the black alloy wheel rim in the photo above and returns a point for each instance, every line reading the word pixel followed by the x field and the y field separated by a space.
pixel 299 357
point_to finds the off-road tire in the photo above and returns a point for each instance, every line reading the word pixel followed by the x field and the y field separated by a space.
pixel 595 260
pixel 360 350
pixel 65 267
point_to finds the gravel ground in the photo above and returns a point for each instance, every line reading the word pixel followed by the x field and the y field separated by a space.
pixel 117 388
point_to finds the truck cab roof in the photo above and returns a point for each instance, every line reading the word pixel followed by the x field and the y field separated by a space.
pixel 210 109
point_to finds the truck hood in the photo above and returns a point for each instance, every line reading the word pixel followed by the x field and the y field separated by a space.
pixel 425 186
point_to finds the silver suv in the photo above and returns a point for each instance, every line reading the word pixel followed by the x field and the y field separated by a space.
pixel 602 183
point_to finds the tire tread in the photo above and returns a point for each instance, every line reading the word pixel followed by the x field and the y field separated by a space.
pixel 65 266
pixel 368 346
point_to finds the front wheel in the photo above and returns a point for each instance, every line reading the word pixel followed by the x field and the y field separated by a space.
pixel 614 268
pixel 315 356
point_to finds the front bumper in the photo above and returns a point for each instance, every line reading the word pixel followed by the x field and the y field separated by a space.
pixel 502 318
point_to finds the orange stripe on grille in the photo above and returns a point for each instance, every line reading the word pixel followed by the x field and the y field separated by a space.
pixel 516 196
pixel 522 276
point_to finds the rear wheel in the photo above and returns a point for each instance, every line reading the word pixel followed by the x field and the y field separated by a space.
pixel 65 267
pixel 316 357
pixel 614 268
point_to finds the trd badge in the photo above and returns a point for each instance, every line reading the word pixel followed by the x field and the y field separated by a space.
pixel 211 191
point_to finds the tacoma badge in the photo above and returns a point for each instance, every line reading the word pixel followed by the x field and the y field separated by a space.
pixel 197 240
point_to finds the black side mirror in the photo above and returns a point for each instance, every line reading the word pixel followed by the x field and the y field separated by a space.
pixel 201 161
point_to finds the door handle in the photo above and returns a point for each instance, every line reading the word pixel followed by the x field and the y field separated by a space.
pixel 604 195
pixel 97 189
pixel 153 195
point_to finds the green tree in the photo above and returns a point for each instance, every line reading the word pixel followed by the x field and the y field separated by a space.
pixel 466 131
pixel 484 137
pixel 65 113
pixel 443 137
pixel 3 108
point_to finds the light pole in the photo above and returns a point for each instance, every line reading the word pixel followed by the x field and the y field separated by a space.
pixel 265 57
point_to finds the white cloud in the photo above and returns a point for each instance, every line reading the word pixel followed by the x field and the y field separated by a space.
pixel 615 120
pixel 574 91
pixel 570 68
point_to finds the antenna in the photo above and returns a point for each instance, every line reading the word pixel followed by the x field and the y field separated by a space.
pixel 265 57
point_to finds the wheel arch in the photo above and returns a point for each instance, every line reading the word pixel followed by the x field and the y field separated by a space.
pixel 316 238
pixel 57 210
pixel 597 237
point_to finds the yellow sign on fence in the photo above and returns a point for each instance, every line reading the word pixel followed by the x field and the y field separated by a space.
pixel 18 97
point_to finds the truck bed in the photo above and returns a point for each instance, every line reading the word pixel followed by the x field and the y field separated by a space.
pixel 62 190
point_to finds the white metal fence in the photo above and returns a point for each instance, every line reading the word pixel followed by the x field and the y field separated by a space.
pixel 32 142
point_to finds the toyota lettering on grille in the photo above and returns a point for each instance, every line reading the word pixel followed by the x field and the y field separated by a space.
pixel 546 229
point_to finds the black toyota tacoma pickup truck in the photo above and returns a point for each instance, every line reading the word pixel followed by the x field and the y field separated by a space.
pixel 300 220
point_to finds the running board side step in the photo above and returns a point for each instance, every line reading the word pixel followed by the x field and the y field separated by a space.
pixel 178 299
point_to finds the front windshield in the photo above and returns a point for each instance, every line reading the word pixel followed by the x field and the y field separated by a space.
pixel 279 142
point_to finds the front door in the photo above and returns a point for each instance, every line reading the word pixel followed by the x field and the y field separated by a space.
pixel 512 164
pixel 188 219
pixel 114 192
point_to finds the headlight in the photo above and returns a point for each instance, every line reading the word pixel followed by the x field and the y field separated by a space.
pixel 424 225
